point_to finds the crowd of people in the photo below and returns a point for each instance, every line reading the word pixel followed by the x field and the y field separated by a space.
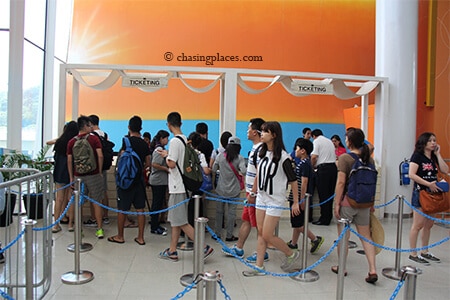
pixel 323 164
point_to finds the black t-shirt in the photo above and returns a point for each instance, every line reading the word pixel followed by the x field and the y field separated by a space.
pixel 139 146
pixel 206 147
pixel 427 168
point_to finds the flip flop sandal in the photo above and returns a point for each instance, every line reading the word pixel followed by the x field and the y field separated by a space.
pixel 112 239
pixel 140 243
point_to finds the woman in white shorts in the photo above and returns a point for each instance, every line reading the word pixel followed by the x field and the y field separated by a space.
pixel 274 171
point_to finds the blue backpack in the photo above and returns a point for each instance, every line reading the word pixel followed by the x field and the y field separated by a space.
pixel 129 167
pixel 362 183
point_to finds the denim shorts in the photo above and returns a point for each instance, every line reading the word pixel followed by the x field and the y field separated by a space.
pixel 415 198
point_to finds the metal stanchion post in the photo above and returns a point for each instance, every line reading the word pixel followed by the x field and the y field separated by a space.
pixel 83 247
pixel 395 272
pixel 310 275
pixel 187 245
pixel 189 278
pixel 78 276
pixel 29 265
pixel 410 281
pixel 342 259
pixel 210 279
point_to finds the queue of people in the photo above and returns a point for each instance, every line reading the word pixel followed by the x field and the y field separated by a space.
pixel 323 164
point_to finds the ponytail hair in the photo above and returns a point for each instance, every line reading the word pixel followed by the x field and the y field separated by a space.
pixel 356 138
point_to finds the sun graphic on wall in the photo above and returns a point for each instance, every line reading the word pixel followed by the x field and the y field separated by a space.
pixel 95 42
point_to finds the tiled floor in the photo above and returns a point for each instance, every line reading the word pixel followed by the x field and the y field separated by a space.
pixel 130 271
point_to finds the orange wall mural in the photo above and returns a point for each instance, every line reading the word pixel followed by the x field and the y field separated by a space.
pixel 306 36
pixel 327 36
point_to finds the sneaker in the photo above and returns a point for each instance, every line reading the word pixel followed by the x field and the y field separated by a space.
pixel 430 257
pixel 172 256
pixel 159 231
pixel 252 258
pixel 419 259
pixel 292 246
pixel 290 261
pixel 233 251
pixel 105 220
pixel 90 223
pixel 259 271
pixel 100 233
pixel 2 257
pixel 208 251
pixel 315 245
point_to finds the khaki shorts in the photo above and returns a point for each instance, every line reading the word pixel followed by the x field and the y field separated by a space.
pixel 178 216
pixel 357 216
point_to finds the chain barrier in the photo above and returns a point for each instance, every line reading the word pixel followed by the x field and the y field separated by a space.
pixel 385 204
pixel 188 288
pixel 223 289
pixel 318 262
pixel 13 241
pixel 241 202
pixel 400 284
pixel 425 215
pixel 5 295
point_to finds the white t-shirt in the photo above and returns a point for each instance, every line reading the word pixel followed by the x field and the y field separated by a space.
pixel 272 180
pixel 176 154
pixel 324 149
pixel 251 168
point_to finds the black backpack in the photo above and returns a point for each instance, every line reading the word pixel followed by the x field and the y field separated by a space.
pixel 107 150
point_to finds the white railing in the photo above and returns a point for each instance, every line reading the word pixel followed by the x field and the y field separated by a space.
pixel 26 271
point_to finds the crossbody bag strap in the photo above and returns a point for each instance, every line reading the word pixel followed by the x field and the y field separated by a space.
pixel 232 167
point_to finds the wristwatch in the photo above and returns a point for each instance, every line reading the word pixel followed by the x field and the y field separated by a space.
pixel 252 194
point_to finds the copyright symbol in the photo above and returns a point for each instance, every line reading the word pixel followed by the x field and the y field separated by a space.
pixel 168 56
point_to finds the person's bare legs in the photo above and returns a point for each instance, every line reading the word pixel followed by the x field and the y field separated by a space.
pixel 426 233
pixel 261 244
pixel 59 202
pixel 244 232
pixel 296 235
pixel 417 225
pixel 98 215
pixel 105 202
pixel 270 223
pixel 369 249
pixel 176 231
pixel 141 226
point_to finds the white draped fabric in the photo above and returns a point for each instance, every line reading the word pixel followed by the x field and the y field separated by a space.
pixel 341 90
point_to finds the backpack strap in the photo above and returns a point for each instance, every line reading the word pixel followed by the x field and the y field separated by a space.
pixel 255 154
pixel 354 155
pixel 178 166
pixel 126 140
pixel 181 139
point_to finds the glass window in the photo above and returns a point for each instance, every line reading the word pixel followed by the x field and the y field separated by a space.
pixel 32 98
pixel 4 14
pixel 4 67
pixel 64 11
pixel 35 21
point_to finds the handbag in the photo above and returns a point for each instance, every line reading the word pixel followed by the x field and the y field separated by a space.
pixel 433 202
pixel 239 176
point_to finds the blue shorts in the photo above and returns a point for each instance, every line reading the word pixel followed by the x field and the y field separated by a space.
pixel 415 198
